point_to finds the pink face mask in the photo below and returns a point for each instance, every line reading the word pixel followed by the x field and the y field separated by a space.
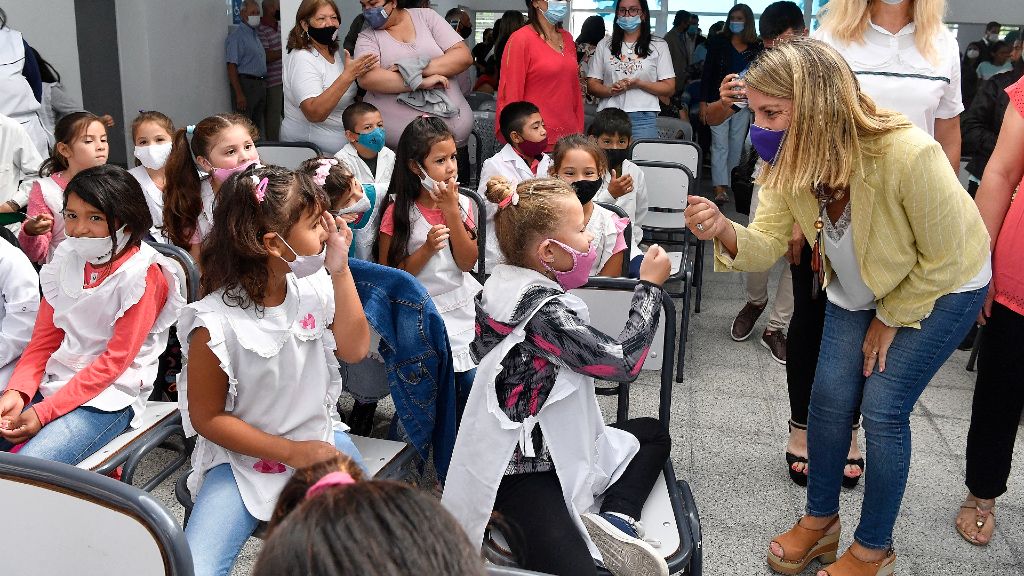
pixel 581 264
pixel 219 175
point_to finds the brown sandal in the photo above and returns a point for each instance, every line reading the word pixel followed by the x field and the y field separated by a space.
pixel 850 565
pixel 989 514
pixel 802 545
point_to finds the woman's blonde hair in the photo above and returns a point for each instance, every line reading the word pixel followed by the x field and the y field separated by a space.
pixel 847 20
pixel 534 216
pixel 830 118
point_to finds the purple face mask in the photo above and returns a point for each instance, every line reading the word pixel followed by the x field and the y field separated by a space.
pixel 581 264
pixel 219 175
pixel 768 143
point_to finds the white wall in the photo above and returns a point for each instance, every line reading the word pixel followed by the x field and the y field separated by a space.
pixel 1004 11
pixel 49 27
pixel 172 59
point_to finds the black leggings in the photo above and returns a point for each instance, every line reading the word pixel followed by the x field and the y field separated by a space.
pixel 538 526
pixel 998 401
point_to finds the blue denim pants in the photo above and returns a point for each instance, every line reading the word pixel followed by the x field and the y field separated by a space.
pixel 220 523
pixel 885 399
pixel 644 124
pixel 76 435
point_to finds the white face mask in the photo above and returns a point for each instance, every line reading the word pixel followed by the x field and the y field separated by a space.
pixel 304 266
pixel 429 183
pixel 253 21
pixel 153 156
pixel 98 251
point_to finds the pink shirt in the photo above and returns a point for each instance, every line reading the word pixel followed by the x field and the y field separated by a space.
pixel 533 71
pixel 433 36
pixel 1007 263
pixel 433 216
pixel 36 247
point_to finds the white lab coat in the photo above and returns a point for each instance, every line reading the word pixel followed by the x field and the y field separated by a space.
pixel 19 303
pixel 365 237
pixel 588 456
pixel 16 98
pixel 634 203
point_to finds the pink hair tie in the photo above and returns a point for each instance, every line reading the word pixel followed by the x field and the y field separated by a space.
pixel 513 200
pixel 332 479
pixel 320 177
pixel 261 188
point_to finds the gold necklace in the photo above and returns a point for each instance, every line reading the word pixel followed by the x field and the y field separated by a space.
pixel 817 260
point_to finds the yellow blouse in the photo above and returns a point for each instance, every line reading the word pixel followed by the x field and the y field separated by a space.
pixel 917 233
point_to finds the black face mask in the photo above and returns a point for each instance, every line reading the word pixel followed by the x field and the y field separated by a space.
pixel 325 35
pixel 586 189
pixel 466 32
pixel 616 155
pixel 277 15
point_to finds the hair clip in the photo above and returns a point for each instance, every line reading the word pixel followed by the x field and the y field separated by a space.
pixel 261 187
pixel 190 129
pixel 332 479
pixel 142 111
pixel 320 176
pixel 513 200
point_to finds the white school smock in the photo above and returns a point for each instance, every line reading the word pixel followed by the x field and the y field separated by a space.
pixel 204 223
pixel 154 199
pixel 19 161
pixel 53 196
pixel 282 379
pixel 451 289
pixel 87 317
pixel 897 76
pixel 635 203
pixel 381 180
pixel 16 98
pixel 589 456
pixel 19 303
pixel 607 227
pixel 508 163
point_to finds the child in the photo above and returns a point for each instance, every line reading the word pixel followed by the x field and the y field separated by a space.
pixel 330 521
pixel 520 159
pixel 218 146
pixel 152 133
pixel 108 302
pixel 624 184
pixel 19 302
pixel 427 231
pixel 261 378
pixel 371 162
pixel 579 162
pixel 543 465
pixel 81 143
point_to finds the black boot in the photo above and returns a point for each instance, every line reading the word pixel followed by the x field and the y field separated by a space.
pixel 361 418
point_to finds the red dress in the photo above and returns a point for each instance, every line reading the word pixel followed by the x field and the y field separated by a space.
pixel 533 71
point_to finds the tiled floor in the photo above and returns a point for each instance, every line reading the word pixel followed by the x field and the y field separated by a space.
pixel 729 430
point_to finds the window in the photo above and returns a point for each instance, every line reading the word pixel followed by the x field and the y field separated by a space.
pixel 482 21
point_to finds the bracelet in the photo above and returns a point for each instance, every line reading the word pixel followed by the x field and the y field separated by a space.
pixel 14 205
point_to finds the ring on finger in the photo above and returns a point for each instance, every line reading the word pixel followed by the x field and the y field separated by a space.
pixel 700 227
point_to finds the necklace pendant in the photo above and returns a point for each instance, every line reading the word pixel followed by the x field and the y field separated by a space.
pixel 818 224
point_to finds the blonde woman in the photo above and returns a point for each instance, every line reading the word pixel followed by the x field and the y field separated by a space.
pixel 903 256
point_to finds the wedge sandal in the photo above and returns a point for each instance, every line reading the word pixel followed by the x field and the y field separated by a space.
pixel 801 546
pixel 850 565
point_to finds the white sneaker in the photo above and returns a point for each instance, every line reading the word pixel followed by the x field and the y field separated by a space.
pixel 623 553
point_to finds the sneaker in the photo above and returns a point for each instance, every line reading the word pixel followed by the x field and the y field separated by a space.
pixel 743 325
pixel 775 342
pixel 623 550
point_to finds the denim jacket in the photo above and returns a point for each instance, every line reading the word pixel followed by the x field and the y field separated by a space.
pixel 416 355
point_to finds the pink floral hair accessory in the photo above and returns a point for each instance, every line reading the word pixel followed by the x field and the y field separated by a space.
pixel 261 188
pixel 512 199
pixel 320 177
pixel 332 479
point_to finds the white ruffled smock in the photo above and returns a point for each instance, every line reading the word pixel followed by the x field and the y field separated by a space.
pixel 609 240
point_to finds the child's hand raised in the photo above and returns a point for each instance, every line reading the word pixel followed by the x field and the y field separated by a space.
pixel 656 266
pixel 41 224
pixel 304 453
pixel 339 238
pixel 446 194
pixel 620 185
pixel 437 238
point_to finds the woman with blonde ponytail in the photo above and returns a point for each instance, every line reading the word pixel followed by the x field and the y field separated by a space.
pixel 902 255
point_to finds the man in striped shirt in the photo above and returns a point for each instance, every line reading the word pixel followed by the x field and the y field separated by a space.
pixel 269 32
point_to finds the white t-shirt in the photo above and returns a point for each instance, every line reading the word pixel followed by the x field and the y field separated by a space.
pixel 897 76
pixel 608 69
pixel 307 75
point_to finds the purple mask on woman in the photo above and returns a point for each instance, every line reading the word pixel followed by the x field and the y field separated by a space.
pixel 768 143
pixel 581 264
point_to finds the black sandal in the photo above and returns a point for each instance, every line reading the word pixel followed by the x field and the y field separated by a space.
pixel 798 478
pixel 851 483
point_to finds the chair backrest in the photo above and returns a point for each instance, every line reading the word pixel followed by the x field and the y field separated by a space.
pixel 187 267
pixel 477 100
pixel 609 302
pixel 72 521
pixel 679 151
pixel 483 124
pixel 673 128
pixel 287 154
pixel 627 232
pixel 480 219
pixel 668 184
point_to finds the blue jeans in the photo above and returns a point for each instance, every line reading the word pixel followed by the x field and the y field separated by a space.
pixel 885 399
pixel 220 523
pixel 644 124
pixel 727 140
pixel 76 435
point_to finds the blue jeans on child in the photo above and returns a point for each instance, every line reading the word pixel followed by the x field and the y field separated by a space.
pixel 76 435
pixel 644 124
pixel 884 398
pixel 220 523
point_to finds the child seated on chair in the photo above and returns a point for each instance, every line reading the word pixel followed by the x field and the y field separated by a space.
pixel 261 377
pixel 623 184
pixel 108 302
pixel 19 302
pixel 533 446
pixel 371 162
pixel 579 162
pixel 520 159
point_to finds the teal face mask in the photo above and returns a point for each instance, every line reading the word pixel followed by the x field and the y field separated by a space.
pixel 374 139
